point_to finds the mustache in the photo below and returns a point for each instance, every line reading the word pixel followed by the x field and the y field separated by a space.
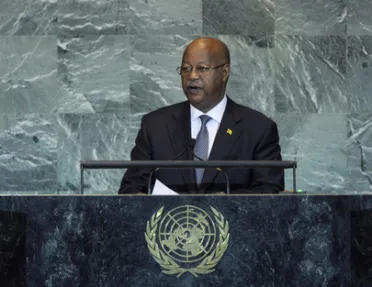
pixel 193 85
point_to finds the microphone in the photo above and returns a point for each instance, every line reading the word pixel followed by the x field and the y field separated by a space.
pixel 156 169
pixel 188 148
pixel 193 143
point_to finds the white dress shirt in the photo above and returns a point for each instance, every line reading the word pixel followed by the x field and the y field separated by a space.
pixel 213 124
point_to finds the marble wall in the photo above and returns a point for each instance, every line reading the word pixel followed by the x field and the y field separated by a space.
pixel 77 75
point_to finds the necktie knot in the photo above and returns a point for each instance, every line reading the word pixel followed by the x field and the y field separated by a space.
pixel 204 119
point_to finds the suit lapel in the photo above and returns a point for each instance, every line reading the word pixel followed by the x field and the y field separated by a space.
pixel 179 132
pixel 228 134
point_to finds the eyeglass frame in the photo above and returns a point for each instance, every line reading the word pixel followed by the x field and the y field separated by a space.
pixel 208 69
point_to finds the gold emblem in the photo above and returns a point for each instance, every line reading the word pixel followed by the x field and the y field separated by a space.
pixel 186 239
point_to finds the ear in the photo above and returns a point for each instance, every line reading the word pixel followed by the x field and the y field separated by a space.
pixel 226 72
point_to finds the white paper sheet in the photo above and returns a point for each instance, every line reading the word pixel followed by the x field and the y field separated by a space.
pixel 161 189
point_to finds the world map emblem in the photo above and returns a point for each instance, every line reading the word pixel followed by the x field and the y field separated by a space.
pixel 187 239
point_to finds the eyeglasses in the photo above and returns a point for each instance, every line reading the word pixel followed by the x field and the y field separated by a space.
pixel 200 70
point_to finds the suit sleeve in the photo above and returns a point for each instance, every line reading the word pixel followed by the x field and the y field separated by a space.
pixel 268 180
pixel 135 180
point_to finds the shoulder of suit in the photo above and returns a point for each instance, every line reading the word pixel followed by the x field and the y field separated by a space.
pixel 249 114
pixel 166 112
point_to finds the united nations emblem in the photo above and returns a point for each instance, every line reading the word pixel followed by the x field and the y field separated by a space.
pixel 186 239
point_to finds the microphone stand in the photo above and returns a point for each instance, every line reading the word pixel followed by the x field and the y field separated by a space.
pixel 219 169
pixel 191 150
pixel 156 169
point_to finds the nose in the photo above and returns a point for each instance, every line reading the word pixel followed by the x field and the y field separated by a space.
pixel 193 74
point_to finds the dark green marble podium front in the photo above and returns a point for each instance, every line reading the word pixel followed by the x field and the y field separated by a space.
pixel 274 240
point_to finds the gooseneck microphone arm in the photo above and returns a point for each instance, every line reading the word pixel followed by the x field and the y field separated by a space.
pixel 188 148
pixel 156 169
pixel 218 168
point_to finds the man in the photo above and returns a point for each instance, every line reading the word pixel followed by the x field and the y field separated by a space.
pixel 223 130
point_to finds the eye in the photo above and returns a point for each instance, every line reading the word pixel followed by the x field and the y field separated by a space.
pixel 185 69
pixel 202 69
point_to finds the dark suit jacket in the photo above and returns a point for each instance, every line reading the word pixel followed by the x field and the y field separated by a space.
pixel 165 132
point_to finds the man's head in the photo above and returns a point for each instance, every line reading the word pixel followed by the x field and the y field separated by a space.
pixel 204 71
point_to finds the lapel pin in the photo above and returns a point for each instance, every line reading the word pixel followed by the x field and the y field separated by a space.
pixel 229 132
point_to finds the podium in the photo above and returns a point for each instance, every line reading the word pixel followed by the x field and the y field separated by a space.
pixel 12 248
pixel 272 240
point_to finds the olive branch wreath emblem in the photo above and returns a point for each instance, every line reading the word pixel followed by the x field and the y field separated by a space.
pixel 171 267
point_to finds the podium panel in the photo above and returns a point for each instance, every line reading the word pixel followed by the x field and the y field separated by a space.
pixel 12 248
pixel 274 240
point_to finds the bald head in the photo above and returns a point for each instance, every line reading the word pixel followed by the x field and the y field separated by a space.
pixel 217 48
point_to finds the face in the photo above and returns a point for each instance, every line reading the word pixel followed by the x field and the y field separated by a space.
pixel 204 90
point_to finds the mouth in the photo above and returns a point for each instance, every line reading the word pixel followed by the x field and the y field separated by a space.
pixel 193 88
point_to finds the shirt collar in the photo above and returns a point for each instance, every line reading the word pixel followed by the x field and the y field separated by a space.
pixel 216 113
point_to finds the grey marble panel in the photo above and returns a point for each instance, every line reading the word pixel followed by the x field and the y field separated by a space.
pixel 27 74
pixel 359 73
pixel 318 143
pixel 249 17
pixel 28 156
pixel 32 192
pixel 101 136
pixel 77 18
pixel 93 73
pixel 360 20
pixel 154 81
pixel 309 17
pixel 251 81
pixel 31 17
pixel 310 74
pixel 359 150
